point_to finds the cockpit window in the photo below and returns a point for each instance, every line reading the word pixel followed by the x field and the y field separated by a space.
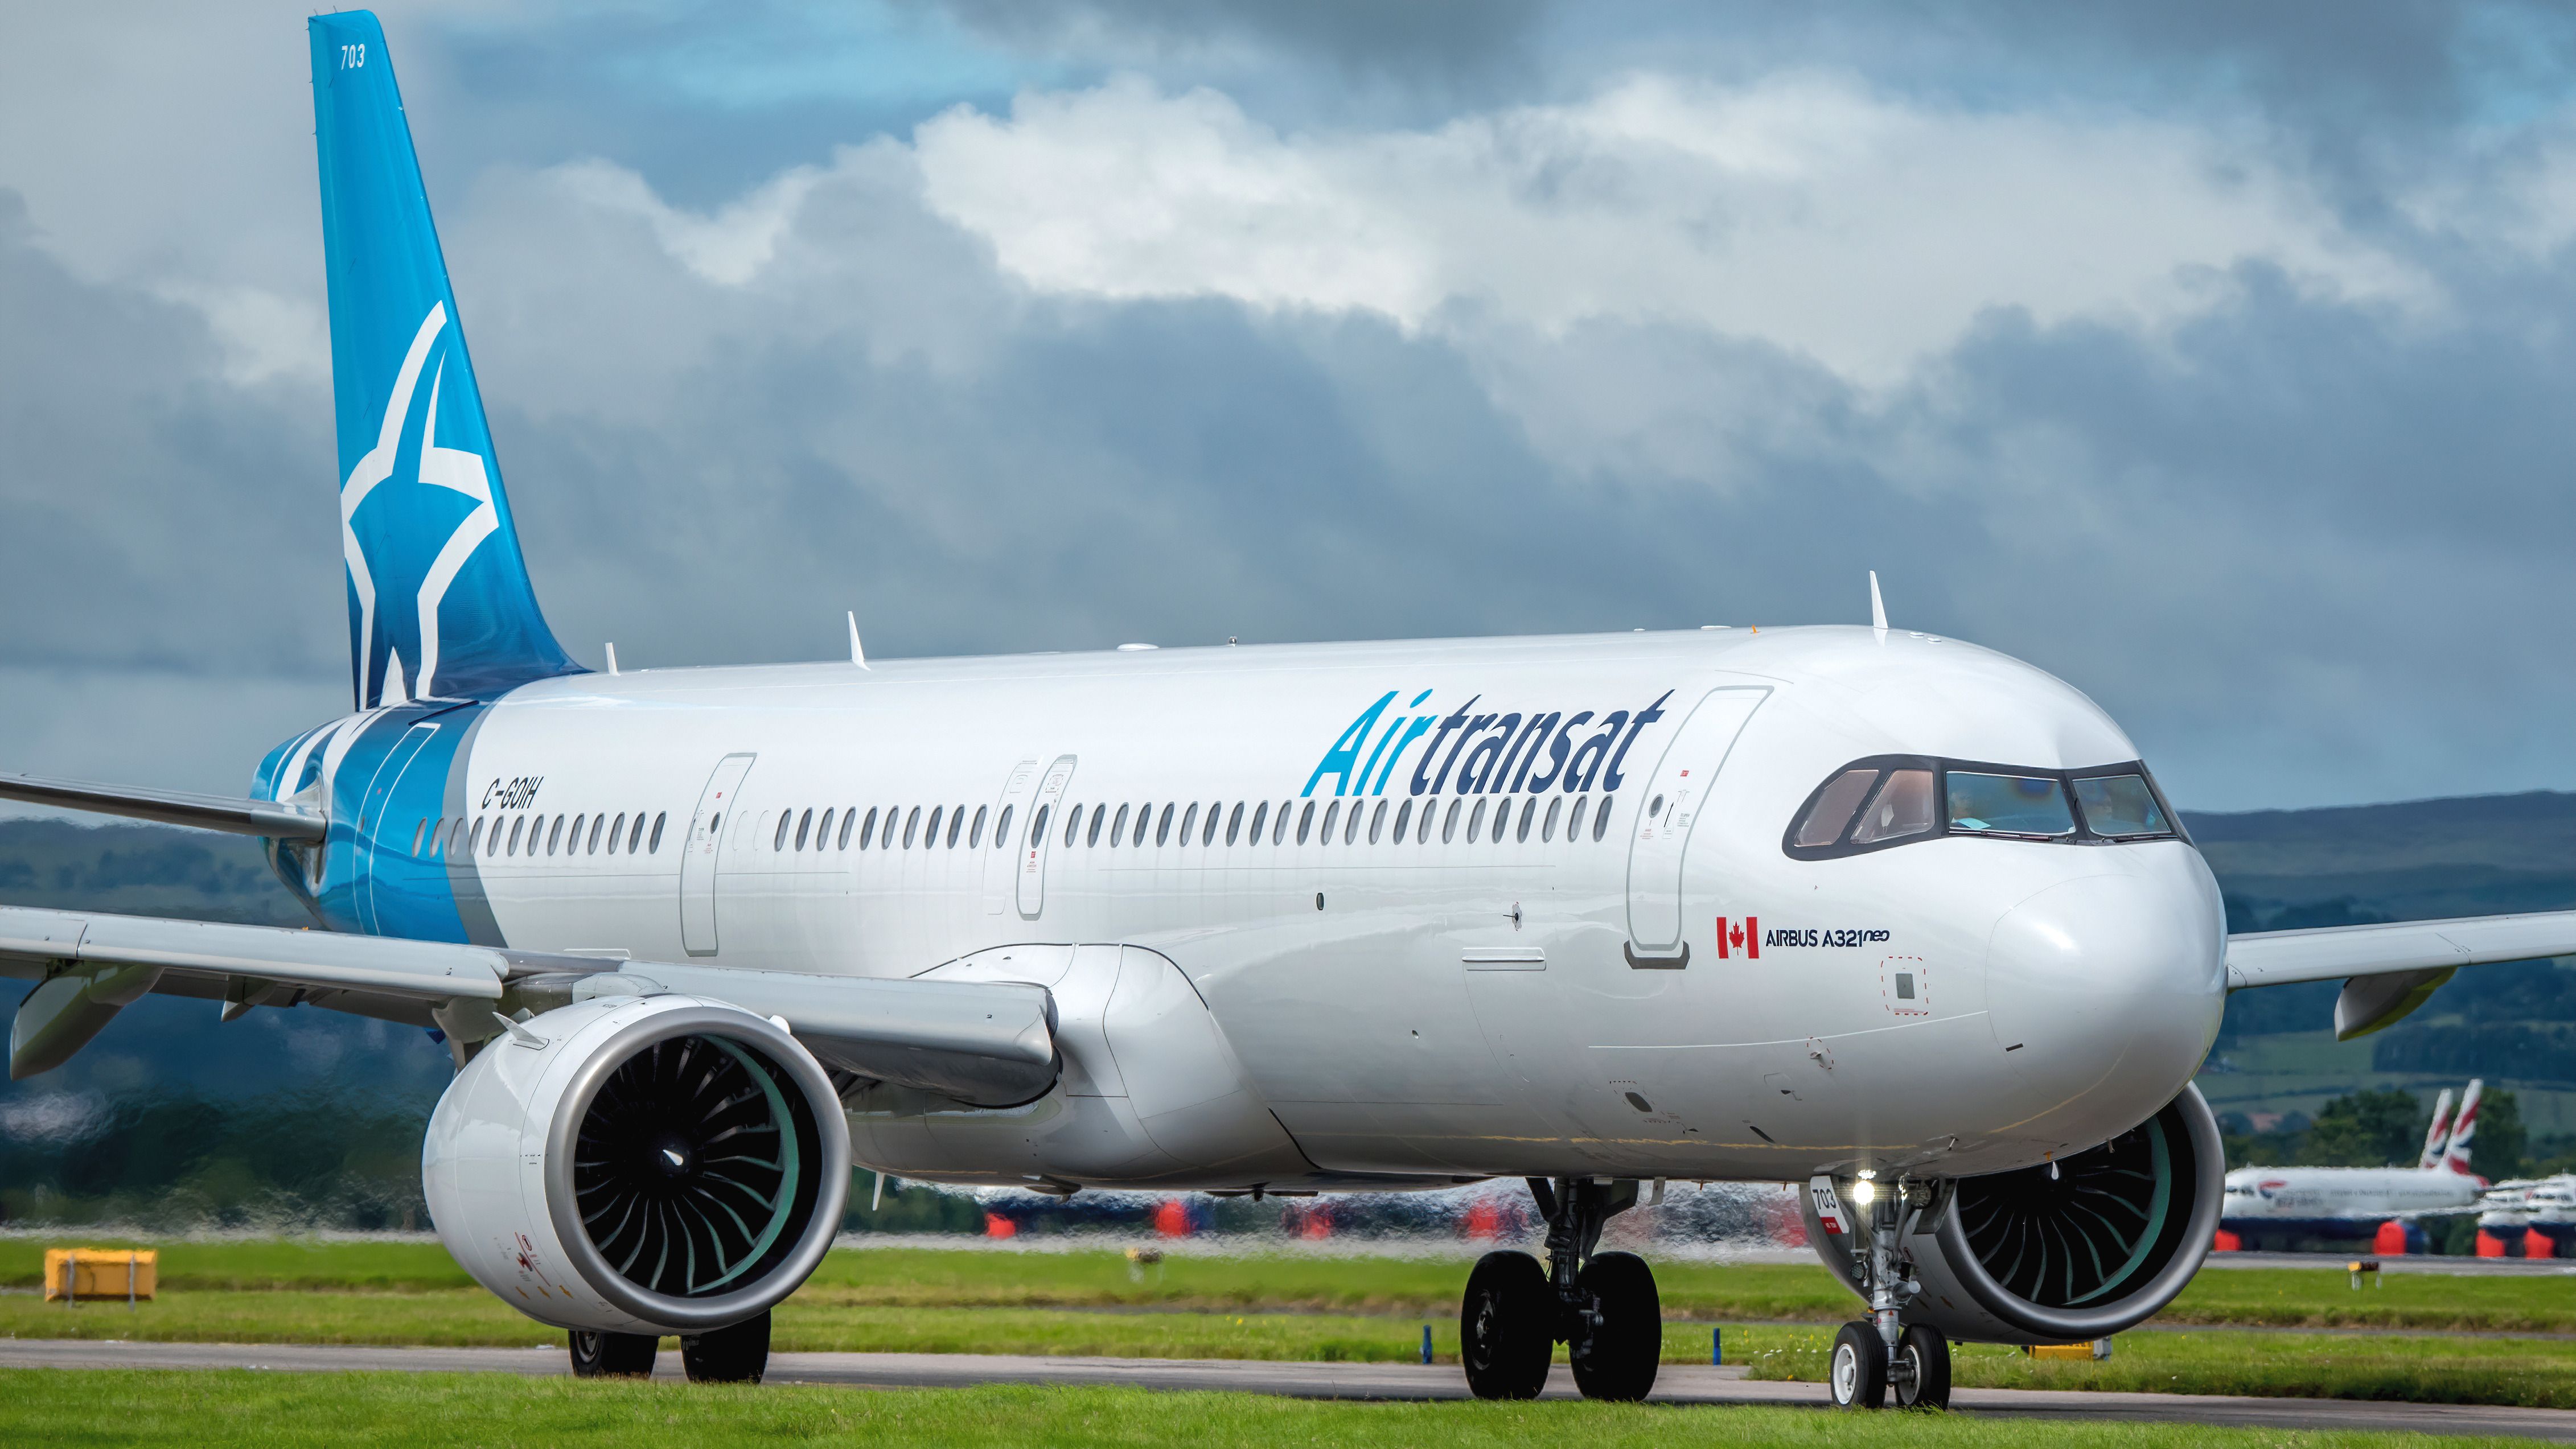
pixel 2120 806
pixel 1824 821
pixel 1892 800
pixel 1902 808
pixel 1982 804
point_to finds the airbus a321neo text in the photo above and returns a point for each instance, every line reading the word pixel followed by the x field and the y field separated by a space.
pixel 1883 914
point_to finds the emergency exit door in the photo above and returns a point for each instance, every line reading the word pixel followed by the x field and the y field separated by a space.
pixel 698 862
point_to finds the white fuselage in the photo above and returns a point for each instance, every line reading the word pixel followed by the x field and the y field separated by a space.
pixel 2313 1194
pixel 1425 1009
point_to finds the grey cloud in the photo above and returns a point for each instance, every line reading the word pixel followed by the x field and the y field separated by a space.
pixel 157 517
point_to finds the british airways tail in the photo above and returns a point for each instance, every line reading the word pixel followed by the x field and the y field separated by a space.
pixel 439 598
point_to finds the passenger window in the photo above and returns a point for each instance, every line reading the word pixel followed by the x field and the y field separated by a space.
pixel 654 845
pixel 930 837
pixel 1190 821
pixel 1091 838
pixel 1002 828
pixel 975 832
pixel 911 826
pixel 823 830
pixel 1547 827
pixel 1144 817
pixel 456 838
pixel 1377 822
pixel 1305 822
pixel 2120 806
pixel 1073 823
pixel 1260 813
pixel 1449 823
pixel 596 821
pixel 1529 808
pixel 1351 829
pixel 572 842
pixel 956 824
pixel 786 818
pixel 1331 812
pixel 1279 822
pixel 1118 828
pixel 1233 823
pixel 1476 822
pixel 419 833
pixel 1422 832
pixel 554 837
pixel 1403 818
pixel 1162 828
pixel 488 847
pixel 518 823
pixel 868 831
pixel 1601 818
pixel 1574 817
pixel 1037 829
pixel 849 817
pixel 804 827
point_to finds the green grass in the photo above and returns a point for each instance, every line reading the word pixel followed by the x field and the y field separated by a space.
pixel 327 1411
pixel 1400 1287
pixel 2532 1373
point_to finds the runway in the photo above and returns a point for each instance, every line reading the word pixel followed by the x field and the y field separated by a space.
pixel 1676 1384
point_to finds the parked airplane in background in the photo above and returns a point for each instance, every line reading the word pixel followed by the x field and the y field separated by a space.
pixel 1873 910
pixel 2272 1206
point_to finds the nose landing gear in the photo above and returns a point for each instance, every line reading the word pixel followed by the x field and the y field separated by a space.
pixel 1881 1355
pixel 1602 1306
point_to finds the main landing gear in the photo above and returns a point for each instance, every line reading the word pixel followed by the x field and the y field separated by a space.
pixel 1602 1306
pixel 738 1354
pixel 1882 1357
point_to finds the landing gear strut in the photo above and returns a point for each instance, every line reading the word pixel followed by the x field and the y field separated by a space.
pixel 1883 1356
pixel 1601 1306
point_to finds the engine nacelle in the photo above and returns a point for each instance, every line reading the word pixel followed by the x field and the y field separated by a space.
pixel 2024 1257
pixel 658 1165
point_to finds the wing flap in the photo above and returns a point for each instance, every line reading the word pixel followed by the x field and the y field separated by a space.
pixel 989 1044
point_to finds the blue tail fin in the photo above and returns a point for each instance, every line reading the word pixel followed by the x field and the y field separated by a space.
pixel 439 599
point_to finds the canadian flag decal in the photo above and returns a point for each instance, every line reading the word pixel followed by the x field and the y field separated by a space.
pixel 1745 936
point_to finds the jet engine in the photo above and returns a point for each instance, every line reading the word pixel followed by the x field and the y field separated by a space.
pixel 2089 1249
pixel 645 1165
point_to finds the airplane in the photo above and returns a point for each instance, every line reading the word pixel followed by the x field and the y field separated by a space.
pixel 2277 1203
pixel 1859 907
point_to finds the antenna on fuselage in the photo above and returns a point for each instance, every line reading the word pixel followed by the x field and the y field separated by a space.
pixel 858 656
pixel 612 659
pixel 1877 606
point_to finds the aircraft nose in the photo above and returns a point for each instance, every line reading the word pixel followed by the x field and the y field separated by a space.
pixel 2108 988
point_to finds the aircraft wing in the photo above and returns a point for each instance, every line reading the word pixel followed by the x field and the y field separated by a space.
pixel 2389 970
pixel 986 1043
pixel 170 807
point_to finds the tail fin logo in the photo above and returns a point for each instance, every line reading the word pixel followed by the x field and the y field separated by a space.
pixel 391 562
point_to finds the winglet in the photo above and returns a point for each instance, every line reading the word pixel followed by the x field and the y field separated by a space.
pixel 1877 606
pixel 858 656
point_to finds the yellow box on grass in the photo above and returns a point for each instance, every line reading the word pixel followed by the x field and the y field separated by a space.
pixel 120 1273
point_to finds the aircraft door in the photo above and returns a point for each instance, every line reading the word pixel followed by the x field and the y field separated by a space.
pixel 1046 813
pixel 1673 795
pixel 383 843
pixel 1010 814
pixel 698 862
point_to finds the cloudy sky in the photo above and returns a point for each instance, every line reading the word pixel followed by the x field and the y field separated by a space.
pixel 2217 358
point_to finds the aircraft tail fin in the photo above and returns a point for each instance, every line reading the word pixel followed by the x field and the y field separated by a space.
pixel 2438 1136
pixel 438 593
pixel 2464 1132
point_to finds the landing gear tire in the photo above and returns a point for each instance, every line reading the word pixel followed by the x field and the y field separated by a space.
pixel 1503 1327
pixel 1619 1361
pixel 1926 1354
pixel 1858 1369
pixel 612 1355
pixel 735 1355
